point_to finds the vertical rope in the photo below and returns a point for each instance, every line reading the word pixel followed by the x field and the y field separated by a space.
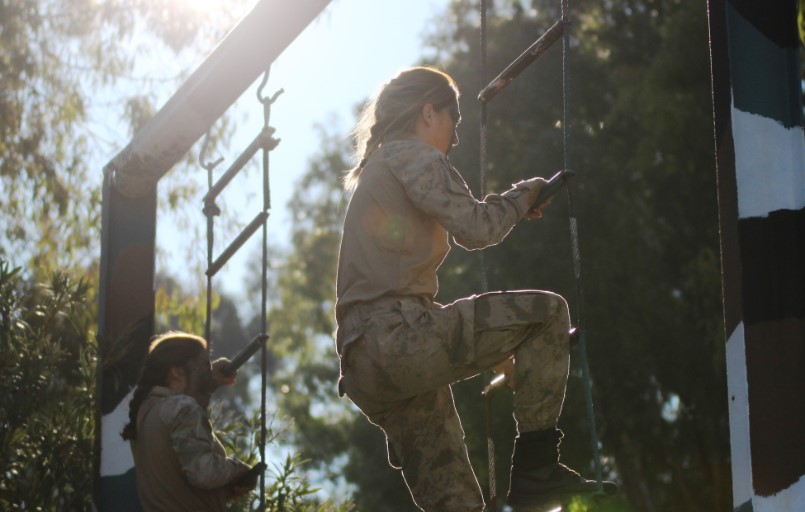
pixel 210 239
pixel 210 211
pixel 483 132
pixel 264 287
pixel 565 85
pixel 574 239
pixel 490 436
pixel 490 449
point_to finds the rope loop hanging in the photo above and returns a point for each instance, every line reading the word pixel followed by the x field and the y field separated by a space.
pixel 490 436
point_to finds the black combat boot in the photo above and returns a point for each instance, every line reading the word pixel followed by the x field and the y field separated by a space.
pixel 538 479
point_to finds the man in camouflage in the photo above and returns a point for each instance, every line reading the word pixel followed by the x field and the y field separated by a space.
pixel 400 350
pixel 179 462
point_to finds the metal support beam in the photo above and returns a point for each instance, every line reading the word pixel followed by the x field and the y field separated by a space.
pixel 125 324
pixel 233 66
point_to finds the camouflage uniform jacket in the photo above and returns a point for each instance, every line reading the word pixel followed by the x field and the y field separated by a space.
pixel 179 463
pixel 408 199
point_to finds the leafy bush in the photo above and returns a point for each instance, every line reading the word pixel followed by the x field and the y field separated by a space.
pixel 47 384
pixel 287 487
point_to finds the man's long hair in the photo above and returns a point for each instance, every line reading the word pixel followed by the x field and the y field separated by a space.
pixel 165 351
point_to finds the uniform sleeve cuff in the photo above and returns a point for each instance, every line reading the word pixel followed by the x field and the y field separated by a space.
pixel 520 194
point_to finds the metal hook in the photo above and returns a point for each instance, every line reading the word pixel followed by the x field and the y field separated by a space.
pixel 266 99
pixel 263 84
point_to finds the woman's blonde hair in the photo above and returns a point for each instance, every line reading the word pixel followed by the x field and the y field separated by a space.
pixel 394 110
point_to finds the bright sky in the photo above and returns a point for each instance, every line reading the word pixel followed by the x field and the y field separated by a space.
pixel 339 60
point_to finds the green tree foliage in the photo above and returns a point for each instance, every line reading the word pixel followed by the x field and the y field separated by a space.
pixel 645 199
pixel 47 379
pixel 71 86
pixel 287 486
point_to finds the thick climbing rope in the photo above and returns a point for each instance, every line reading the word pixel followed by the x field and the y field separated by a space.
pixel 210 211
pixel 485 95
pixel 266 101
pixel 482 73
pixel 490 436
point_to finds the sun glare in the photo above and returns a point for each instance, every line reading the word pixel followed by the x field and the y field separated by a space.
pixel 203 6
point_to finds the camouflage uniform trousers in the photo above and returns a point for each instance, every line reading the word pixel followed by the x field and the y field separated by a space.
pixel 402 355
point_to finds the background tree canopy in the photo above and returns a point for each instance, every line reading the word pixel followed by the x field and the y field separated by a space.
pixel 58 115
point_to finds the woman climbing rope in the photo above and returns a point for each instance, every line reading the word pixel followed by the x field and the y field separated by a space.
pixel 399 349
